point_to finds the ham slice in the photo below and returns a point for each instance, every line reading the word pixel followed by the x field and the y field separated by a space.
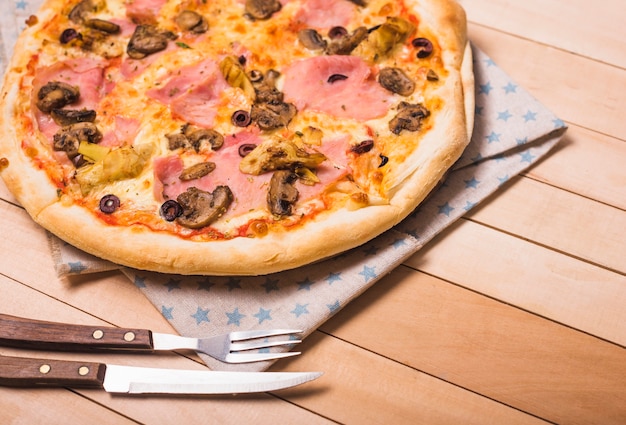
pixel 326 13
pixel 358 96
pixel 86 74
pixel 144 11
pixel 194 93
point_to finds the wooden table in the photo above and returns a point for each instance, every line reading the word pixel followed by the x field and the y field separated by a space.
pixel 515 314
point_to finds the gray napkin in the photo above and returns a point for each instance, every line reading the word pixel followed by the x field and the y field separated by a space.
pixel 512 131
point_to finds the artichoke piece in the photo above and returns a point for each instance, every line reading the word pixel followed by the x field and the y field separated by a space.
pixel 278 154
pixel 393 32
pixel 118 164
pixel 92 151
pixel 235 75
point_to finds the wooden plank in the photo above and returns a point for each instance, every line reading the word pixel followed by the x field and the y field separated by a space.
pixel 524 361
pixel 579 90
pixel 561 220
pixel 588 163
pixel 531 277
pixel 361 387
pixel 52 406
pixel 579 26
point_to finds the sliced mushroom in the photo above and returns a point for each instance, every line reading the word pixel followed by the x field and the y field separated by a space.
pixel 262 9
pixel 196 171
pixel 282 194
pixel 396 81
pixel 202 208
pixel 344 45
pixel 311 39
pixel 272 115
pixel 103 25
pixel 199 138
pixel 278 154
pixel 265 88
pixel 409 117
pixel 188 20
pixel 83 9
pixel 55 95
pixel 148 39
pixel 65 117
pixel 68 138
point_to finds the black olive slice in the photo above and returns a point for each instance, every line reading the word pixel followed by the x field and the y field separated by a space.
pixel 241 118
pixel 68 35
pixel 171 210
pixel 109 204
pixel 245 149
pixel 336 77
pixel 424 47
pixel 363 147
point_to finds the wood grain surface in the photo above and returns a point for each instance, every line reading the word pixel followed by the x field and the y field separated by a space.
pixel 514 315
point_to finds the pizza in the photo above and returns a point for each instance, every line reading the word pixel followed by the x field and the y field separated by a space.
pixel 232 137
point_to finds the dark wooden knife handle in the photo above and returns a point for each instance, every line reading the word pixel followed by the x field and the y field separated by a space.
pixel 26 372
pixel 37 334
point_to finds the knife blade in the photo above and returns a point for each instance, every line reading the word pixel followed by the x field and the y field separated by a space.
pixel 30 372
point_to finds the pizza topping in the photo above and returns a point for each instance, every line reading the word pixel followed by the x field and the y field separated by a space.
pixel 345 44
pixel 245 148
pixel 336 32
pixel 424 47
pixel 336 77
pixel 383 160
pixel 103 25
pixel 241 118
pixel 282 193
pixel 55 95
pixel 199 139
pixel 325 13
pixel 148 39
pixel 278 154
pixel 409 117
pixel 262 9
pixel 144 11
pixel 432 75
pixel 196 171
pixel 384 38
pixel 170 210
pixel 202 208
pixel 311 39
pixel 65 117
pixel 235 75
pixel 68 35
pixel 363 147
pixel 188 20
pixel 68 138
pixel 265 88
pixel 396 81
pixel 83 9
pixel 272 115
pixel 109 204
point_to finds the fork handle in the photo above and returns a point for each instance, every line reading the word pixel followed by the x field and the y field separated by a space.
pixel 37 334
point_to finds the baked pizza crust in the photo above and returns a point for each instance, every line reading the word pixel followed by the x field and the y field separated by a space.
pixel 330 233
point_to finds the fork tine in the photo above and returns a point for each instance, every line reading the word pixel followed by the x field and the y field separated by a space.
pixel 242 346
pixel 257 357
pixel 242 335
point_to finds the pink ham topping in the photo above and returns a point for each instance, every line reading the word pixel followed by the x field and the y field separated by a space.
pixel 326 13
pixel 86 74
pixel 352 92
pixel 144 11
pixel 194 93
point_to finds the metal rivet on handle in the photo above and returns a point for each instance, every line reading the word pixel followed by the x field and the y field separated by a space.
pixel 97 334
pixel 129 336
pixel 83 370
pixel 44 368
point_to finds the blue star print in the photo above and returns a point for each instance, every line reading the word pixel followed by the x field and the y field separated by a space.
pixel 263 315
pixel 490 62
pixel 485 88
pixel 493 137
pixel 398 243
pixel 368 273
pixel 530 116
pixel 333 277
pixel 504 115
pixel 270 285
pixel 167 312
pixel 334 307
pixel 233 284
pixel 172 284
pixel 473 183
pixel 469 205
pixel 235 317
pixel 205 285
pixel 201 315
pixel 510 88
pixel 305 284
pixel 21 5
pixel 372 250
pixel 527 157
pixel 445 209
pixel 300 309
pixel 140 282
pixel 77 267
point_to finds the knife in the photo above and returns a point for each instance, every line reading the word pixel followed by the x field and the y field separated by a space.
pixel 29 372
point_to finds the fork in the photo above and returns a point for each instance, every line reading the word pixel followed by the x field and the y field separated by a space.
pixel 233 347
